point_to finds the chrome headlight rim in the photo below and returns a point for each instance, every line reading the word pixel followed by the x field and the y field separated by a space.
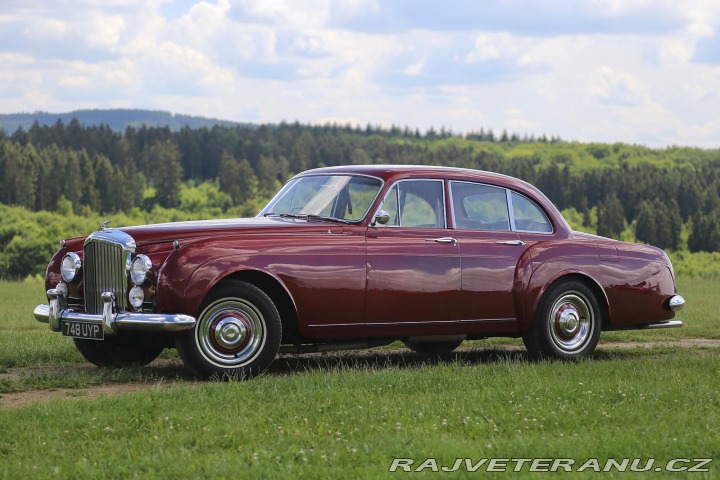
pixel 70 267
pixel 140 269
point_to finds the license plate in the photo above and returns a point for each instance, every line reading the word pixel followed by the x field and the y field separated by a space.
pixel 92 331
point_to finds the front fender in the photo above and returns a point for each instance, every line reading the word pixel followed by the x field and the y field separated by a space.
pixel 191 271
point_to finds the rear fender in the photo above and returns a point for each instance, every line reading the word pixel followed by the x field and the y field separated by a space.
pixel 547 274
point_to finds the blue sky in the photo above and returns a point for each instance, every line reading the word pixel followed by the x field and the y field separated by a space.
pixel 635 71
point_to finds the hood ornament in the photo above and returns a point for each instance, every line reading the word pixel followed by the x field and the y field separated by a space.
pixel 104 225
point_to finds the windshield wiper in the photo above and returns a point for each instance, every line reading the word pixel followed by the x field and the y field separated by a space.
pixel 306 216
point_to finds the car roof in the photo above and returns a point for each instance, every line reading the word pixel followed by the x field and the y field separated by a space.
pixel 392 173
pixel 387 171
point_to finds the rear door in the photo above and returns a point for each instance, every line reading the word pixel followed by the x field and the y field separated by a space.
pixel 489 250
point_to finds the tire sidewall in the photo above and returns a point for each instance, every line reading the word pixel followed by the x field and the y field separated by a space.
pixel 539 340
pixel 188 343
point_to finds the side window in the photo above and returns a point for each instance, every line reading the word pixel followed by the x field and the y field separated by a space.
pixel 416 203
pixel 480 207
pixel 528 216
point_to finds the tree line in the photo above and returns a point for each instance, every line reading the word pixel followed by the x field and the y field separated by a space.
pixel 656 193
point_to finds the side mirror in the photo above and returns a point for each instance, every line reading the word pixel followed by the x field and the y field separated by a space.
pixel 382 217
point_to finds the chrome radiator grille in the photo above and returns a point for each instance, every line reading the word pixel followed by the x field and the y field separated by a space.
pixel 104 271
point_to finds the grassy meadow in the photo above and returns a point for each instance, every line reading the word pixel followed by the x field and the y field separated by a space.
pixel 347 416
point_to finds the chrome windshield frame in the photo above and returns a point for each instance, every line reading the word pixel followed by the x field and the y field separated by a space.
pixel 266 211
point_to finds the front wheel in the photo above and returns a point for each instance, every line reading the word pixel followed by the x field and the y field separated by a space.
pixel 237 333
pixel 567 323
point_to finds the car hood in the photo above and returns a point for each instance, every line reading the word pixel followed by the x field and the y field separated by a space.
pixel 168 232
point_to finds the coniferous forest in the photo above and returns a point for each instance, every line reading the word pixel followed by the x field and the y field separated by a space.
pixel 61 180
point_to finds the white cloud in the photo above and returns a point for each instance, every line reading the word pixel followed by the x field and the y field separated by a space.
pixel 415 69
pixel 516 120
pixel 617 88
pixel 103 30
pixel 609 70
pixel 488 47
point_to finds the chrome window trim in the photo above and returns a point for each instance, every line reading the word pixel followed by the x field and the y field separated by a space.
pixel 509 205
pixel 397 182
pixel 511 223
pixel 511 214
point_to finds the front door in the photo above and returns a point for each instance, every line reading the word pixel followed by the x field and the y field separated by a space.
pixel 413 265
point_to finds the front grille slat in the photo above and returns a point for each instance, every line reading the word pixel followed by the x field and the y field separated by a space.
pixel 104 271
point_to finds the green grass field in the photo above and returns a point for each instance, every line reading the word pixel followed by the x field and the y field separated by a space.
pixel 348 416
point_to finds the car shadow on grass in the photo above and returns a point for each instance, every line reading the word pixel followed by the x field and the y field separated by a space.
pixel 374 359
pixel 171 369
pixel 396 358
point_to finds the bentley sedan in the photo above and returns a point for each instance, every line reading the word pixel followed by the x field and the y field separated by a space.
pixel 356 257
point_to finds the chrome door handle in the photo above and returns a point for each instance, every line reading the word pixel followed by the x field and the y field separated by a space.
pixel 512 242
pixel 442 240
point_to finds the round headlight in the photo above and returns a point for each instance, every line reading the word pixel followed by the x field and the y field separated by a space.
pixel 136 297
pixel 70 267
pixel 140 269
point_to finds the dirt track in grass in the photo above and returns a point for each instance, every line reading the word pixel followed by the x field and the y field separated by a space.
pixel 175 374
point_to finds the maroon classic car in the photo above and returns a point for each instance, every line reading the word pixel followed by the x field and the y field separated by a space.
pixel 355 257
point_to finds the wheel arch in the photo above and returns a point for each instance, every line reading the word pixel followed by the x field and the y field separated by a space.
pixel 277 293
pixel 538 292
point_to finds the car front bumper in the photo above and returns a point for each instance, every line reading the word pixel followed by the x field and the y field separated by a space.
pixel 111 321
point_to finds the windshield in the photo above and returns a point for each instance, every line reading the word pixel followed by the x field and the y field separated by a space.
pixel 341 197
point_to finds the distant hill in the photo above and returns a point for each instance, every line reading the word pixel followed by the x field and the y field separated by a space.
pixel 117 120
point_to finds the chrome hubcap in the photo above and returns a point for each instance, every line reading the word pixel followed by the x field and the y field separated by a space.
pixel 231 333
pixel 571 322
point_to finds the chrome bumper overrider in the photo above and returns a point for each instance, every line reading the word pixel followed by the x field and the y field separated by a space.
pixel 676 303
pixel 111 321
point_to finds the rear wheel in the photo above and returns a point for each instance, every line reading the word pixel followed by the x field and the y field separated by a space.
pixel 121 350
pixel 437 348
pixel 567 323
pixel 237 334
